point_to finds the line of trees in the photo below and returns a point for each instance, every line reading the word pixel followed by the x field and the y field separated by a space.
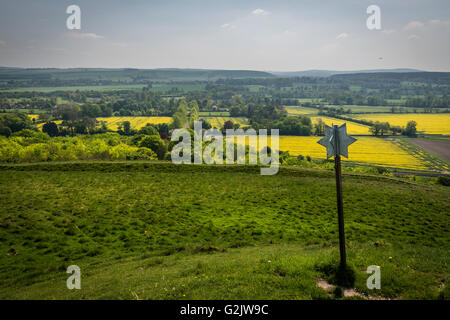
pixel 14 122
pixel 384 128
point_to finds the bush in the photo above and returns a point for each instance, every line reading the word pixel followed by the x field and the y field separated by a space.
pixel 35 136
pixel 144 154
pixel 32 146
pixel 15 122
pixel 443 180
pixel 9 150
pixel 156 144
pixel 149 131
pixel 284 156
pixel 5 131
pixel 382 170
pixel 122 152
pixel 51 129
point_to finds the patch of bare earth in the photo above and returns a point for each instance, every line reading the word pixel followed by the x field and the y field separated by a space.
pixel 348 292
pixel 438 148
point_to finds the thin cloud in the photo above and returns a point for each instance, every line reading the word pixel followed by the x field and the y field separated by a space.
pixel 388 31
pixel 260 12
pixel 413 37
pixel 414 25
pixel 80 35
pixel 228 26
pixel 342 36
pixel 444 23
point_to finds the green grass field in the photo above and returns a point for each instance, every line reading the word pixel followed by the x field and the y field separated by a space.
pixel 296 110
pixel 214 114
pixel 142 230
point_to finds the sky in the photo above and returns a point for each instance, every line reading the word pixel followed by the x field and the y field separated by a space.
pixel 282 35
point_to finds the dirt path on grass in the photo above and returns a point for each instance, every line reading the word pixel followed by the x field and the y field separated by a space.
pixel 347 292
pixel 438 148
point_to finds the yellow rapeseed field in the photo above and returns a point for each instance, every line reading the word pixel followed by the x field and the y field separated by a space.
pixel 366 150
pixel 217 122
pixel 430 123
pixel 40 125
pixel 135 122
pixel 301 110
pixel 33 116
pixel 352 127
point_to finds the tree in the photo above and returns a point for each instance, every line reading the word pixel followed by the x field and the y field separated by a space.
pixel 384 128
pixel 91 110
pixel 15 122
pixel 178 120
pixel 183 107
pixel 396 130
pixel 50 128
pixel 80 127
pixel 68 112
pixel 297 126
pixel 154 143
pixel 228 124
pixel 180 115
pixel 125 128
pixel 193 116
pixel 411 129
pixel 90 124
pixel 103 127
pixel 238 111
pixel 375 128
pixel 148 130
pixel 33 135
pixel 380 128
pixel 206 124
pixel 44 117
pixel 319 128
pixel 5 131
pixel 237 100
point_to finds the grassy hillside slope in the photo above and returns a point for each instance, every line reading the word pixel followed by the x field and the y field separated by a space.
pixel 156 230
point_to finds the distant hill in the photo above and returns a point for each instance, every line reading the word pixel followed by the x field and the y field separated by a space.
pixel 127 74
pixel 54 77
pixel 161 74
pixel 441 78
pixel 328 73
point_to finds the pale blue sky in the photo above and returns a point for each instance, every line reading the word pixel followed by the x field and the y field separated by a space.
pixel 272 35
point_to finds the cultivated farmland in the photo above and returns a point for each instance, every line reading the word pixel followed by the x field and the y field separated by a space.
pixel 217 122
pixel 352 127
pixel 366 150
pixel 34 117
pixel 136 122
pixel 426 123
pixel 300 110
pixel 437 147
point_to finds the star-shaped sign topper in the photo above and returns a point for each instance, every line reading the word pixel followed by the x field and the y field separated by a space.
pixel 336 140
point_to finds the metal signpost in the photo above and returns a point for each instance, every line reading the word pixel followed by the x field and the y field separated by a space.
pixel 337 141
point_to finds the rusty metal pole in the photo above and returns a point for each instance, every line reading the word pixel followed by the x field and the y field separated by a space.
pixel 340 205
